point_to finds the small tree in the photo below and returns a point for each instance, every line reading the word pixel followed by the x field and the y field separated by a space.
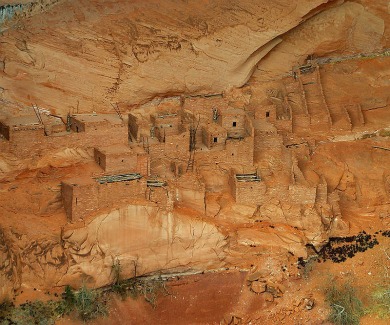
pixel 116 270
pixel 118 285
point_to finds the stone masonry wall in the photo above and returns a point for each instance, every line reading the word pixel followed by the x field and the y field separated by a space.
pixel 79 200
pixel 234 124
pixel 300 194
pixel 83 199
pixel 118 162
pixel 27 141
pixel 250 193
pixel 236 152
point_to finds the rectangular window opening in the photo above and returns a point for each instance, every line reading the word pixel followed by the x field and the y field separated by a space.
pixel 234 124
pixel 266 114
pixel 215 139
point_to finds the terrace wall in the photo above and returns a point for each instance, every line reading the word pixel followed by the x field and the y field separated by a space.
pixel 236 152
pixel 166 126
pixel 24 142
pixel 249 193
pixel 83 199
pixel 116 162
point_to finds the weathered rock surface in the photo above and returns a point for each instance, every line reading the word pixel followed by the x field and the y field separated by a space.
pixel 82 55
pixel 348 28
pixel 143 239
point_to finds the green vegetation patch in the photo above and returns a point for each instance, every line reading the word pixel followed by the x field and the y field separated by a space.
pixel 384 133
pixel 87 304
pixel 380 305
pixel 346 308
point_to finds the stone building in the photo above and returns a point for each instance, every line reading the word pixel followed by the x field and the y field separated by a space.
pixel 85 197
pixel 80 198
pixel 22 129
pixel 122 159
pixel 92 122
pixel 214 136
pixel 234 122
pixel 266 112
pixel 138 127
pixel 247 188
pixel 166 123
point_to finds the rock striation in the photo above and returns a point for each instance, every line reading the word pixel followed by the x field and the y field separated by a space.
pixel 80 56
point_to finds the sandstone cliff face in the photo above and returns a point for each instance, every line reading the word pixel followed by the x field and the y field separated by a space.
pixel 348 28
pixel 143 239
pixel 82 55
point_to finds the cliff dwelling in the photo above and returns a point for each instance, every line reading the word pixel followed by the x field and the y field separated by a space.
pixel 194 162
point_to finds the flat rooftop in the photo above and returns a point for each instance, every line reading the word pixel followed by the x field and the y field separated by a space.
pixel 232 111
pixel 215 128
pixel 166 114
pixel 96 118
pixel 115 149
pixel 27 120
pixel 264 126
pixel 78 181
pixel 120 149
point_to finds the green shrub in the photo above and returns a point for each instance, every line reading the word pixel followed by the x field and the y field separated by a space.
pixel 118 286
pixel 380 303
pixel 5 311
pixel 89 304
pixel 368 135
pixel 36 312
pixel 136 287
pixel 384 133
pixel 346 308
pixel 67 304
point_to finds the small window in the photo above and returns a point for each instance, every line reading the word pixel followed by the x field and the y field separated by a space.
pixel 234 124
pixel 77 129
pixel 266 114
pixel 99 161
pixel 123 160
pixel 215 139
